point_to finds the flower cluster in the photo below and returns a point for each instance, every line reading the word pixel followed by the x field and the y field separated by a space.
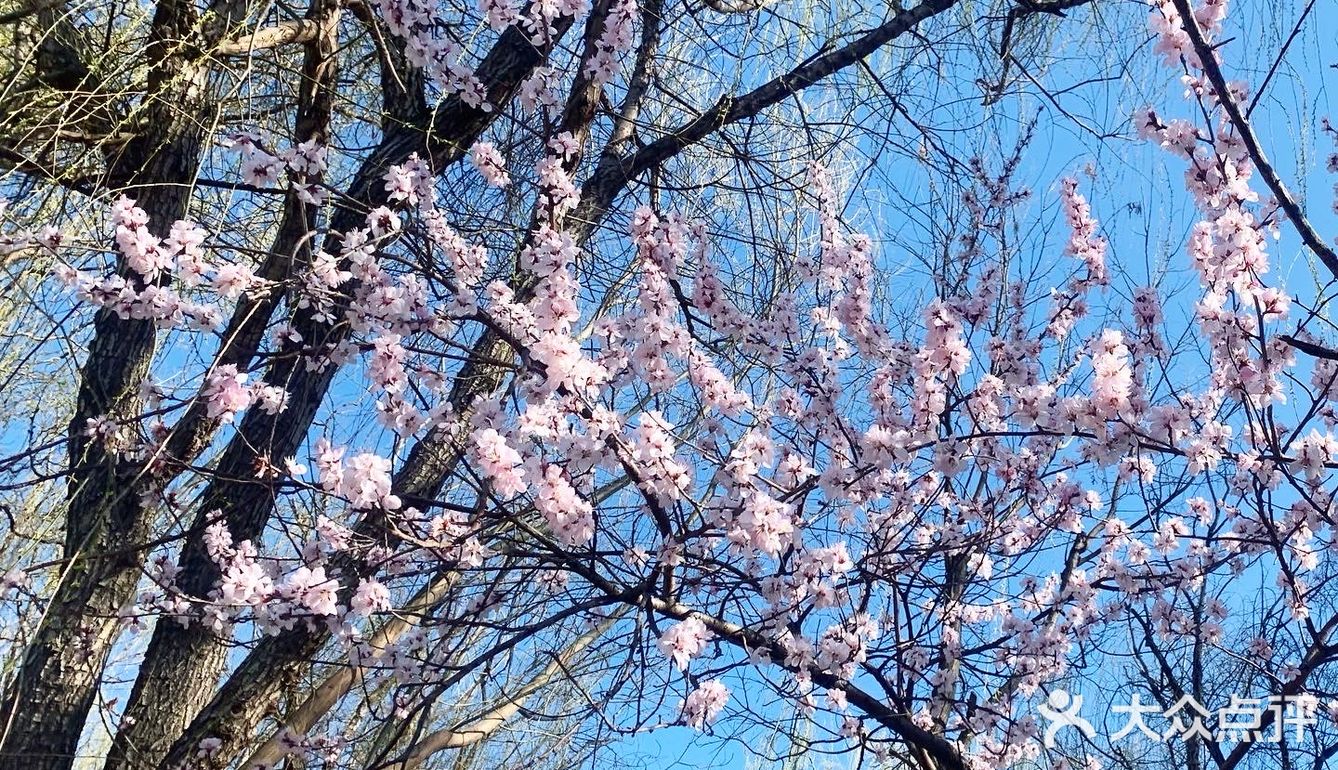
pixel 684 641
pixel 705 703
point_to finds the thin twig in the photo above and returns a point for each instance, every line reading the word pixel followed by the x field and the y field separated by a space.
pixel 1286 202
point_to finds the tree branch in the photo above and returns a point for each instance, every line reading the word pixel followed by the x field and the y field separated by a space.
pixel 336 685
pixel 292 31
pixel 614 171
pixel 484 725
pixel 1208 57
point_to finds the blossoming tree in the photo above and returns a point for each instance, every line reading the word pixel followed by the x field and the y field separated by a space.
pixel 487 422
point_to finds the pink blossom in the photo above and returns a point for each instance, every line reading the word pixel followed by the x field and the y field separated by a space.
pixel 232 280
pixel 225 392
pixel 685 640
pixel 371 597
pixel 1084 243
pixel 310 589
pixel 366 482
pixel 499 463
pixel 490 164
pixel 244 582
pixel 144 253
pixel 500 14
pixel 568 514
pixel 307 158
pixel 330 465
pixel 1112 385
pixel 705 703
pixel 1314 452
pixel 654 453
pixel 409 182
pixel 615 40
pixel 382 222
pixel 467 261
pixel 539 90
pixel 764 525
pixel 271 399
pixel 208 747
pixel 14 579
pixel 260 169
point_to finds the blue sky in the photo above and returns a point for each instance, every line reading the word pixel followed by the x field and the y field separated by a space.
pixel 1136 195
pixel 1136 191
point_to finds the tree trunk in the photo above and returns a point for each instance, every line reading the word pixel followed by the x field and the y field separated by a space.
pixel 182 665
pixel 107 522
pixel 194 654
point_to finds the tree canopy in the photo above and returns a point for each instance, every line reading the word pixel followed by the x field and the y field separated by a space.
pixel 409 384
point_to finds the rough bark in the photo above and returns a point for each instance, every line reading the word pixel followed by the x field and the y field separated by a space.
pixel 107 521
pixel 193 654
pixel 170 689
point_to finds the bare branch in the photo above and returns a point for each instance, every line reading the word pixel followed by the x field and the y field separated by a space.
pixel 292 31
pixel 1208 57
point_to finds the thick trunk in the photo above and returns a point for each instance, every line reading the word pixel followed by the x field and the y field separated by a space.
pixel 177 654
pixel 167 696
pixel 182 665
pixel 50 696
pixel 107 522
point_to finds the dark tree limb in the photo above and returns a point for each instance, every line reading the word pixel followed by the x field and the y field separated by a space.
pixel 1211 68
pixel 181 665
pixel 47 701
pixel 614 171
